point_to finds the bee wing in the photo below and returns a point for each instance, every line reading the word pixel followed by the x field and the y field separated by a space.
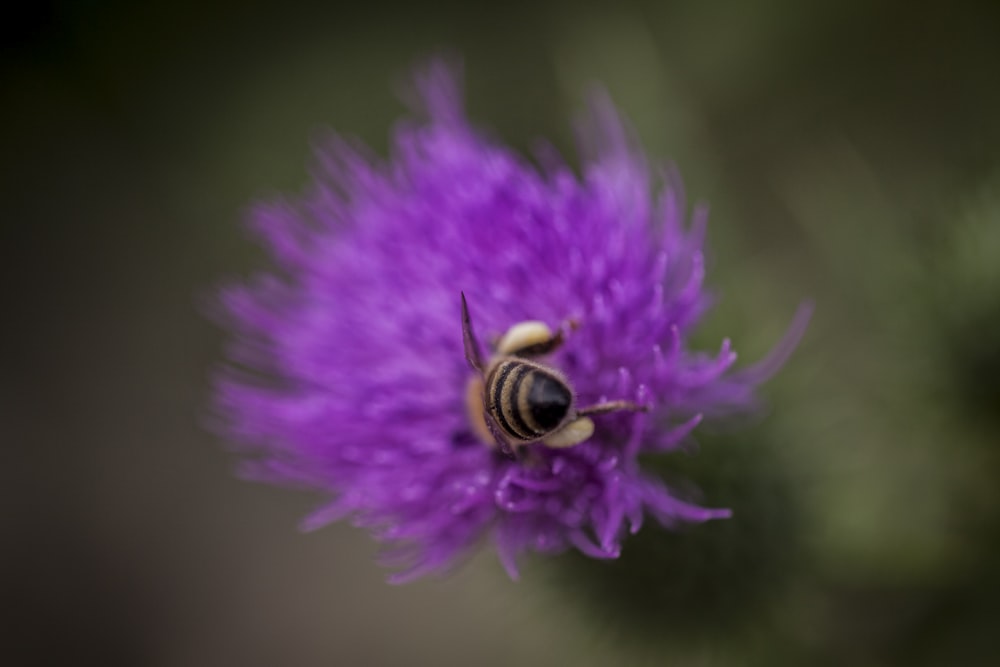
pixel 469 340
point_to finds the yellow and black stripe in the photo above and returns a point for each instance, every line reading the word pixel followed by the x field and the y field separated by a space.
pixel 525 399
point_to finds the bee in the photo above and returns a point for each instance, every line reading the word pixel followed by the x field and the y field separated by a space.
pixel 516 400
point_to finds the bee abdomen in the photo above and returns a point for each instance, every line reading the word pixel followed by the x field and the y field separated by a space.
pixel 526 400
pixel 548 401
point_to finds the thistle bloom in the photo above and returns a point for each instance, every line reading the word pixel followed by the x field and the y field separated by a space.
pixel 348 374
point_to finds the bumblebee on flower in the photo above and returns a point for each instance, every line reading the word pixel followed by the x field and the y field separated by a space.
pixel 366 343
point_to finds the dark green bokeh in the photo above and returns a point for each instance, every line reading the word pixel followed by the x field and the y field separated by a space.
pixel 849 151
pixel 708 588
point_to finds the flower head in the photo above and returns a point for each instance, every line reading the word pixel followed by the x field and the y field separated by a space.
pixel 349 375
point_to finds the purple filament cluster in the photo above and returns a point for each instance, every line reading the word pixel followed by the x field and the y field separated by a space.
pixel 346 372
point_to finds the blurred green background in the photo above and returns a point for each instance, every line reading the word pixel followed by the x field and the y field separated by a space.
pixel 850 152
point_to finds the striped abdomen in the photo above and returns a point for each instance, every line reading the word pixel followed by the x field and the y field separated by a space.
pixel 526 400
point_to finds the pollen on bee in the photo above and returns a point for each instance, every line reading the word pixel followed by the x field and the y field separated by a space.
pixel 524 335
pixel 475 409
pixel 573 433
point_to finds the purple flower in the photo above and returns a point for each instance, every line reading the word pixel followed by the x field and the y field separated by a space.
pixel 348 374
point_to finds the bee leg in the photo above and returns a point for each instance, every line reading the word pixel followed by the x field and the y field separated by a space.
pixel 581 428
pixel 612 406
pixel 571 434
